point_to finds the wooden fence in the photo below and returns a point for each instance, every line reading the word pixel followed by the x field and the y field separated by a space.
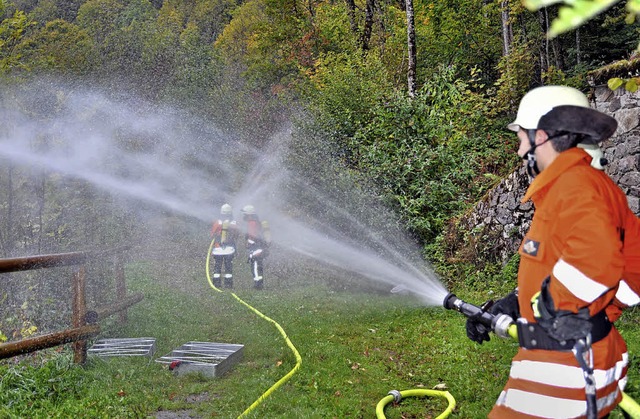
pixel 84 321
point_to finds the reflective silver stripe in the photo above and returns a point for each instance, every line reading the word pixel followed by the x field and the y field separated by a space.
pixel 563 375
pixel 578 283
pixel 543 406
pixel 549 407
pixel 626 295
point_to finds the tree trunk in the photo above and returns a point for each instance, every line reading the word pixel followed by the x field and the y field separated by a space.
pixel 543 17
pixel 578 46
pixel 351 11
pixel 6 238
pixel 558 53
pixel 507 34
pixel 411 48
pixel 368 24
pixel 41 199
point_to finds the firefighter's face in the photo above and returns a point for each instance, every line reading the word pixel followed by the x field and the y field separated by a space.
pixel 524 143
pixel 525 146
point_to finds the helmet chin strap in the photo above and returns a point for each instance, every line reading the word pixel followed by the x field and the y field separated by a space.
pixel 530 156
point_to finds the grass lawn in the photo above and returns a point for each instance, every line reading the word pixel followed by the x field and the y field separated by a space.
pixel 356 344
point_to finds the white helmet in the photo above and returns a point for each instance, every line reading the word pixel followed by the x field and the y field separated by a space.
pixel 248 210
pixel 539 101
pixel 563 108
pixel 225 209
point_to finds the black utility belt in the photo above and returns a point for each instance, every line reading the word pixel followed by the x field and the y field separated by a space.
pixel 532 336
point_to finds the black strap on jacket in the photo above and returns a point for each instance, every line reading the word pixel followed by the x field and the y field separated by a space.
pixel 532 336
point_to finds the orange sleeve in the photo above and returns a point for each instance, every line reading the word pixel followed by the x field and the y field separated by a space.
pixel 632 252
pixel 628 293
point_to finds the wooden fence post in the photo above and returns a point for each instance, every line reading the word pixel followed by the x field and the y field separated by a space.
pixel 79 312
pixel 121 287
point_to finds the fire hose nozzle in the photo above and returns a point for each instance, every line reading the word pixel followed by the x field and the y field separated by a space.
pixel 452 302
pixel 499 324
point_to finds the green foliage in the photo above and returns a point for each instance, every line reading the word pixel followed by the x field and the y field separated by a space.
pixel 346 90
pixel 268 57
pixel 332 23
pixel 12 32
pixel 97 18
pixel 58 47
pixel 515 75
pixel 434 154
pixel 460 33
pixel 210 17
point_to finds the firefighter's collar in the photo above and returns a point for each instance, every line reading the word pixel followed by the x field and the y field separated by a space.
pixel 564 161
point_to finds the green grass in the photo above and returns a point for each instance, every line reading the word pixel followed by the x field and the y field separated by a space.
pixel 355 347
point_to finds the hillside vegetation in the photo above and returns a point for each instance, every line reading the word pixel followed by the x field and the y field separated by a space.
pixel 129 122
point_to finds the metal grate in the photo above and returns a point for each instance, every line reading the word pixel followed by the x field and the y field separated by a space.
pixel 124 347
pixel 210 359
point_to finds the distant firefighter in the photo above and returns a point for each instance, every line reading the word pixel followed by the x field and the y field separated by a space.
pixel 258 239
pixel 225 233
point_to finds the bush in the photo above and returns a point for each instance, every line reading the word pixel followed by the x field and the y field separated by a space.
pixel 434 155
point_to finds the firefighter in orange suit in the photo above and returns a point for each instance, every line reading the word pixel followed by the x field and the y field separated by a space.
pixel 258 239
pixel 225 233
pixel 582 242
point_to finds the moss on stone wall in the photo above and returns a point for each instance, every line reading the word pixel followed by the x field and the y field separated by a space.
pixel 623 69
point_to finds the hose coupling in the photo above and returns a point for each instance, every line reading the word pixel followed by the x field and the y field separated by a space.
pixel 396 396
pixel 501 325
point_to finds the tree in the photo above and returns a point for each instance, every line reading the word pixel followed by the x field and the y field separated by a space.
pixel 411 49
pixel 12 33
pixel 211 17
pixel 100 18
pixel 507 33
pixel 58 47
pixel 370 7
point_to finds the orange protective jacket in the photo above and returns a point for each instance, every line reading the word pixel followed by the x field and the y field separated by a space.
pixel 224 231
pixel 575 238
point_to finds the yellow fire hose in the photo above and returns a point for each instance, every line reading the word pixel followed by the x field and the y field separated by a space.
pixel 627 404
pixel 396 396
pixel 280 329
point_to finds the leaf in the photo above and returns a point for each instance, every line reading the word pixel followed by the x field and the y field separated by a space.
pixel 631 86
pixel 615 83
pixel 630 18
pixel 633 6
pixel 571 17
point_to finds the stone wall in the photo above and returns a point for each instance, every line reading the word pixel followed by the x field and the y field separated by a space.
pixel 500 217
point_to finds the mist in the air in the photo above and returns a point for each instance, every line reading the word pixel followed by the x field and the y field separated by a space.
pixel 166 165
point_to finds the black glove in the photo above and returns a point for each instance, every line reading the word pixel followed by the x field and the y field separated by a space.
pixel 508 305
pixel 477 331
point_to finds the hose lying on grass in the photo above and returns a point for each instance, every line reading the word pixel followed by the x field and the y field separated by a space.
pixel 280 329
